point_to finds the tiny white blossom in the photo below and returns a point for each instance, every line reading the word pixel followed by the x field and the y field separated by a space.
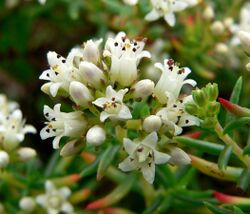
pixel 174 116
pixel 72 124
pixel 6 106
pixel 13 129
pixel 171 81
pixel 26 153
pixel 112 104
pixel 59 74
pixel 143 88
pixel 125 57
pixel 167 8
pixel 55 200
pixel 143 156
pixel 152 123
pixel 42 1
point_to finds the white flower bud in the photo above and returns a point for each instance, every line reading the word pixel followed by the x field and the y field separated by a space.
pixel 151 123
pixel 4 159
pixel 221 48
pixel 143 88
pixel 248 66
pixel 245 40
pixel 92 74
pixel 178 156
pixel 91 51
pixel 80 94
pixel 71 148
pixel 26 153
pixel 1 208
pixel 96 136
pixel 217 28
pixel 27 204
pixel 228 22
pixel 130 2
pixel 208 13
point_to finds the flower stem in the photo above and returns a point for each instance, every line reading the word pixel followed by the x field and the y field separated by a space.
pixel 229 141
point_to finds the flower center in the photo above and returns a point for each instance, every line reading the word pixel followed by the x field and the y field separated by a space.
pixel 112 107
pixel 54 202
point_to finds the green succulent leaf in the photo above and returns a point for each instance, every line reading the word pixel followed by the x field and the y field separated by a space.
pixel 224 157
pixel 236 124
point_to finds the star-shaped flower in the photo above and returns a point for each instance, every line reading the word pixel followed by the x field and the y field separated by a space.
pixel 143 156
pixel 113 106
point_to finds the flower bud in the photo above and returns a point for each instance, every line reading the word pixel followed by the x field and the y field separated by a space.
pixel 152 123
pixel 80 94
pixel 208 13
pixel 212 91
pixel 199 97
pixel 91 51
pixel 217 28
pixel 221 48
pixel 95 136
pixel 71 148
pixel 248 66
pixel 27 204
pixel 178 156
pixel 143 88
pixel 228 22
pixel 213 109
pixel 26 153
pixel 191 108
pixel 4 159
pixel 245 40
pixel 93 75
pixel 1 208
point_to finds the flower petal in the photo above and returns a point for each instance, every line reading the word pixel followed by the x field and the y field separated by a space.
pixel 128 165
pixel 129 146
pixel 151 140
pixel 160 157
pixel 149 173
pixel 152 15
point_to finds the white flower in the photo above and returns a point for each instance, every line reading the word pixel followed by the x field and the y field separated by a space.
pixel 59 75
pixel 42 1
pixel 217 28
pixel 245 40
pixel 113 105
pixel 13 130
pixel 143 156
pixel 125 57
pixel 6 106
pixel 96 136
pixel 171 81
pixel 61 124
pixel 130 2
pixel 174 116
pixel 166 9
pixel 55 200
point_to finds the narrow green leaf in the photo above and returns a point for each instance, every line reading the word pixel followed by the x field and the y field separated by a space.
pixel 106 160
pixel 237 210
pixel 246 150
pixel 155 204
pixel 224 157
pixel 165 176
pixel 91 169
pixel 234 98
pixel 165 204
pixel 201 145
pixel 244 180
pixel 217 210
pixel 236 124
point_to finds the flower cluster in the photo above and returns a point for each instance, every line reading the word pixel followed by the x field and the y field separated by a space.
pixel 12 132
pixel 165 8
pixel 103 86
pixel 54 200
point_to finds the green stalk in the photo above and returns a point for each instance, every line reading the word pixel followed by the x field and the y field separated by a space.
pixel 230 142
